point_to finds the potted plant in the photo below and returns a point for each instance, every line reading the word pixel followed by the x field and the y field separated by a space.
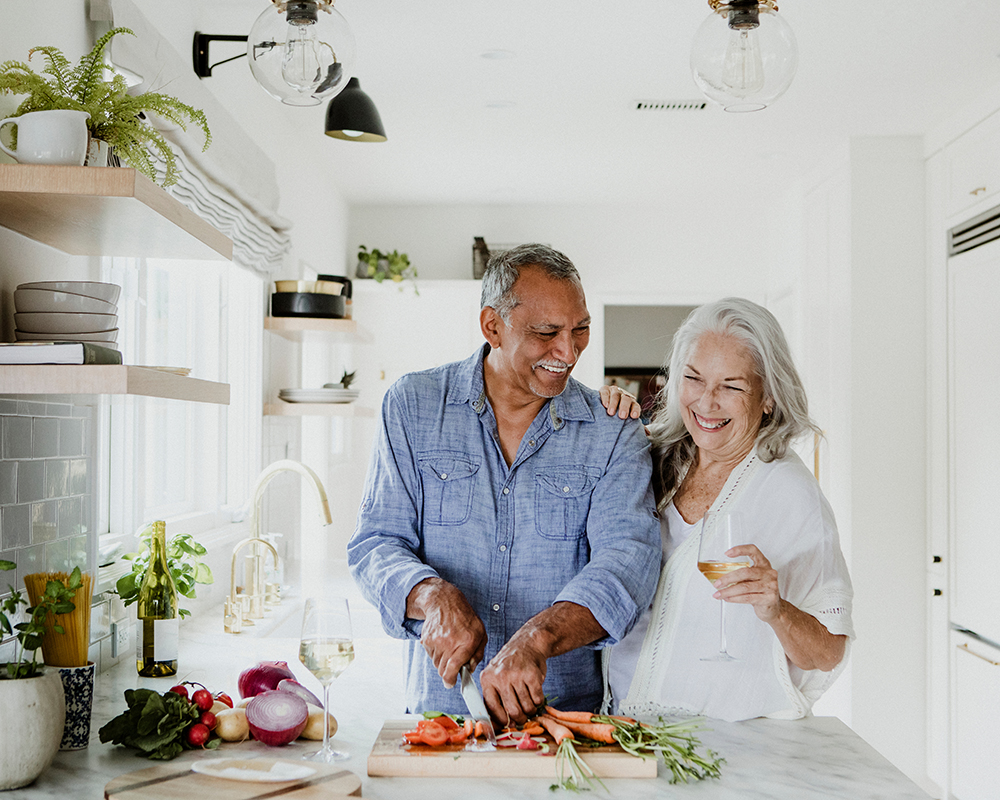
pixel 394 266
pixel 30 695
pixel 116 117
pixel 183 560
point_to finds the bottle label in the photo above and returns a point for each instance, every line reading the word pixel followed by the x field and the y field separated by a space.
pixel 166 633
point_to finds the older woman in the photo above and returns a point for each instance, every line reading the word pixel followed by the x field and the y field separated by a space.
pixel 721 433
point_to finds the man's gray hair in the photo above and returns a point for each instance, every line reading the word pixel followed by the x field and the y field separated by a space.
pixel 503 269
pixel 756 328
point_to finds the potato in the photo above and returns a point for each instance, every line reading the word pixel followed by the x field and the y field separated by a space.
pixel 231 725
pixel 314 726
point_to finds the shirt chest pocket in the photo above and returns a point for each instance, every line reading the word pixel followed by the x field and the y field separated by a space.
pixel 562 501
pixel 448 480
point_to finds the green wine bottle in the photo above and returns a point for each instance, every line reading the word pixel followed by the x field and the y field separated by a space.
pixel 156 639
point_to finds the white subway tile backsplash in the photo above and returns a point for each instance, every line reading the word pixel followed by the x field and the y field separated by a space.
pixel 43 522
pixel 70 512
pixel 16 437
pixel 57 478
pixel 45 437
pixel 30 481
pixel 78 476
pixel 58 557
pixel 71 437
pixel 8 482
pixel 16 525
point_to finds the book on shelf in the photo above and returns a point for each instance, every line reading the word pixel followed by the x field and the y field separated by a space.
pixel 58 353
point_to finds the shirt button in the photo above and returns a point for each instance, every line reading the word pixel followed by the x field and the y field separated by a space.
pixel 531 442
pixel 565 488
pixel 496 606
pixel 444 476
pixel 503 548
pixel 506 490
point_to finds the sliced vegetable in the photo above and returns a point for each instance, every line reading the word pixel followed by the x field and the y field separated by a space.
pixel 277 718
pixel 434 735
pixel 265 676
pixel 314 725
pixel 293 686
pixel 231 725
pixel 527 743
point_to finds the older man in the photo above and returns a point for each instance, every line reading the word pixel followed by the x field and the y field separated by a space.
pixel 507 520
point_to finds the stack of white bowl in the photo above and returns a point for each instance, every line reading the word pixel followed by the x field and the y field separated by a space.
pixel 67 311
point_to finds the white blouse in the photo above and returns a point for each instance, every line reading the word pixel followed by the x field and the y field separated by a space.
pixel 657 668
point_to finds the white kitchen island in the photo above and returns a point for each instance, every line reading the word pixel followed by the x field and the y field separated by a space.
pixel 812 759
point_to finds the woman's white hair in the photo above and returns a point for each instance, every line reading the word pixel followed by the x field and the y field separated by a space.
pixel 756 328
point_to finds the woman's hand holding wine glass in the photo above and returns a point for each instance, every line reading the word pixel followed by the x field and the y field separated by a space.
pixel 720 532
pixel 326 649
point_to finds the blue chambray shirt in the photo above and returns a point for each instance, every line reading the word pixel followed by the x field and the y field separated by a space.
pixel 572 519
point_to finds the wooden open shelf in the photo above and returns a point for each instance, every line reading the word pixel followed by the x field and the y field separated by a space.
pixel 294 327
pixel 282 409
pixel 104 211
pixel 95 379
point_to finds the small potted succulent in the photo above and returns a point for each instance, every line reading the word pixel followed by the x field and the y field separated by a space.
pixel 116 117
pixel 30 695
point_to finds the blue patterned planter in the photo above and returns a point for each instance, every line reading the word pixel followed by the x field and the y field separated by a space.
pixel 78 688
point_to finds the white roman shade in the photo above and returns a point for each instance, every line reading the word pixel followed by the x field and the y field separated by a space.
pixel 233 184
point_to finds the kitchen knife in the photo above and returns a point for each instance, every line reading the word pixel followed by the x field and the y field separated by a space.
pixel 477 710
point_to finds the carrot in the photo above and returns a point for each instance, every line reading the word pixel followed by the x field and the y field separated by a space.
pixel 532 729
pixel 597 731
pixel 568 716
pixel 479 729
pixel 470 727
pixel 558 731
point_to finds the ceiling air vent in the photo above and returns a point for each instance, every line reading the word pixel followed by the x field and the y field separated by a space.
pixel 670 105
pixel 979 230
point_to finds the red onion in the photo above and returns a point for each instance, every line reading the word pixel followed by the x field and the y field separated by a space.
pixel 263 677
pixel 293 686
pixel 277 718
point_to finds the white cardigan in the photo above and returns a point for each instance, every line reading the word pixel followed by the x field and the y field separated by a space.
pixel 786 515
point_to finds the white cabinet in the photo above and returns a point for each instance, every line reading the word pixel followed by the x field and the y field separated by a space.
pixel 972 167
pixel 975 771
pixel 974 356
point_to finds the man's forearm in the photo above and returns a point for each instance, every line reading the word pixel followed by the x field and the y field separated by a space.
pixel 561 627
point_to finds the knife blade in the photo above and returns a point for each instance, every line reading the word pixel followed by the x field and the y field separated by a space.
pixel 477 710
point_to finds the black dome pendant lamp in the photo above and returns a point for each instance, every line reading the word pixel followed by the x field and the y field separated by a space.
pixel 352 115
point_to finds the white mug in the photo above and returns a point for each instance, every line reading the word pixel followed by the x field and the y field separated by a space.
pixel 49 137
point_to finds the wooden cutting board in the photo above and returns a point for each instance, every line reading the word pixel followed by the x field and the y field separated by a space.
pixel 391 757
pixel 178 782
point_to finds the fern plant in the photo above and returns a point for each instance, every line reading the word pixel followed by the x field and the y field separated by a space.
pixel 116 116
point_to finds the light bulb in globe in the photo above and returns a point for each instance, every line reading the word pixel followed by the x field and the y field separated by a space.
pixel 744 55
pixel 301 52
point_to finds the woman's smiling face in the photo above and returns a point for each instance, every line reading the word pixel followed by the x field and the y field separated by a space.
pixel 722 398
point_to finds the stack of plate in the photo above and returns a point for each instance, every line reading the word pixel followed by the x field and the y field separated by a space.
pixel 324 395
pixel 67 311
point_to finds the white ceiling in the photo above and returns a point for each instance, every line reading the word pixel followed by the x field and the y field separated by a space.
pixel 568 130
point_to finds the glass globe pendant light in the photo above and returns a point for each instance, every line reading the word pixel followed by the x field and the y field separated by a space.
pixel 301 51
pixel 744 56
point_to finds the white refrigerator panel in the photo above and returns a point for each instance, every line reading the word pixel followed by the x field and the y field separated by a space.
pixel 975 768
pixel 974 397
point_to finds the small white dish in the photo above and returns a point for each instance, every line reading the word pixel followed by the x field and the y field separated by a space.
pixel 45 300
pixel 253 770
pixel 54 322
pixel 108 292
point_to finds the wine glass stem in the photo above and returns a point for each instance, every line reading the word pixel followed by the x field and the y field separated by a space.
pixel 326 717
pixel 722 626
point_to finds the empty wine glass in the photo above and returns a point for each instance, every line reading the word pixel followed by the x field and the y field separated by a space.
pixel 720 530
pixel 326 648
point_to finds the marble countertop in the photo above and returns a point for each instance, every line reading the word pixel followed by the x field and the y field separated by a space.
pixel 819 757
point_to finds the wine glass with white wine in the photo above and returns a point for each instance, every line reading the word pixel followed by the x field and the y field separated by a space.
pixel 720 531
pixel 326 648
